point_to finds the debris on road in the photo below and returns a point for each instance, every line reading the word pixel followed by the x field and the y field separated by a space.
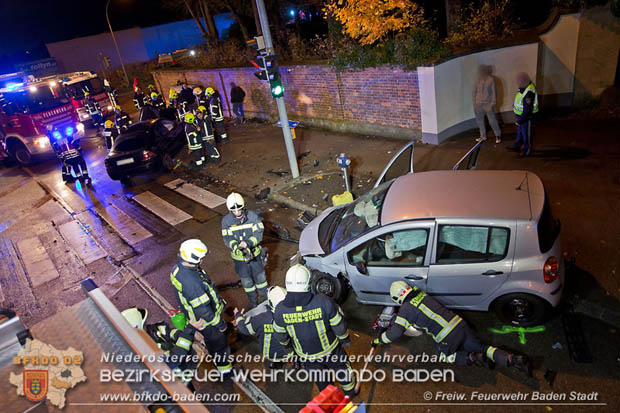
pixel 263 194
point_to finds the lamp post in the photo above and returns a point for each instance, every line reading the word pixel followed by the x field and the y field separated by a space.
pixel 107 6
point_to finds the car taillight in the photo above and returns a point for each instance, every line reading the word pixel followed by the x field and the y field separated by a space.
pixel 148 155
pixel 550 270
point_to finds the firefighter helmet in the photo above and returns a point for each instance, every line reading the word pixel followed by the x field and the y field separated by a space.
pixel 399 290
pixel 202 109
pixel 197 91
pixel 117 107
pixel 151 86
pixel 173 94
pixel 210 91
pixel 193 250
pixel 108 123
pixel 86 93
pixel 235 202
pixel 298 279
pixel 136 317
pixel 189 117
pixel 275 295
pixel 154 95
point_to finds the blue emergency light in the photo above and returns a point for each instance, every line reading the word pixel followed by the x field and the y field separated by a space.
pixel 69 131
pixel 56 135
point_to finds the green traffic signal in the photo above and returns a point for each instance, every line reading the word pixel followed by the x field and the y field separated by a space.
pixel 277 90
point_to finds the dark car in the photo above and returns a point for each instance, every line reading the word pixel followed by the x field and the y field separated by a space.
pixel 145 147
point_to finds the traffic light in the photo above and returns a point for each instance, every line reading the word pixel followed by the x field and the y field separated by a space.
pixel 270 72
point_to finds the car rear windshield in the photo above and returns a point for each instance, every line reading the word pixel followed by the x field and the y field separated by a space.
pixel 131 143
pixel 548 228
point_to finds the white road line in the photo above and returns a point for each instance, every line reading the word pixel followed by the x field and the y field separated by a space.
pixel 163 209
pixel 195 193
pixel 81 242
pixel 38 264
pixel 131 231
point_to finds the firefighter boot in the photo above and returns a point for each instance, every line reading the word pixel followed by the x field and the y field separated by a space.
pixel 262 294
pixel 521 363
pixel 479 360
pixel 66 174
pixel 252 302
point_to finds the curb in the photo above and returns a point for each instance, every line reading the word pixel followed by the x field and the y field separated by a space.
pixel 598 311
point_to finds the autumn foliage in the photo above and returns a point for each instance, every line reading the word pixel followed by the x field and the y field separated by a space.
pixel 369 21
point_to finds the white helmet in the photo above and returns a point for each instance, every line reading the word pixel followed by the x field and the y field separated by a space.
pixel 275 295
pixel 235 202
pixel 399 290
pixel 136 317
pixel 298 279
pixel 193 250
pixel 197 91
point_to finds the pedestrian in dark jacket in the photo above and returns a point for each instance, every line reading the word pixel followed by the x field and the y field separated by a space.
pixel 237 95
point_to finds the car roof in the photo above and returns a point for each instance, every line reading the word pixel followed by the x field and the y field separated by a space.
pixel 464 194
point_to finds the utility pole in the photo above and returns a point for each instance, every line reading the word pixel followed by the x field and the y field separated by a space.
pixel 107 16
pixel 288 137
pixel 259 31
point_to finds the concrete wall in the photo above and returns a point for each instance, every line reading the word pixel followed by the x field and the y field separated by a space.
pixel 383 102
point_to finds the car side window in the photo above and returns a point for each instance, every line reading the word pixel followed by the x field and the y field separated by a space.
pixel 460 244
pixel 405 248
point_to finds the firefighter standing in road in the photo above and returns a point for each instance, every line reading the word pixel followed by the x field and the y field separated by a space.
pixel 454 338
pixel 217 114
pixel 208 140
pixel 94 110
pixel 525 108
pixel 121 119
pixel 187 99
pixel 110 133
pixel 139 99
pixel 261 326
pixel 316 326
pixel 243 232
pixel 194 140
pixel 112 93
pixel 201 302
pixel 67 151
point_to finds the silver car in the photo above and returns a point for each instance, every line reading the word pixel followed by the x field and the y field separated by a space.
pixel 475 240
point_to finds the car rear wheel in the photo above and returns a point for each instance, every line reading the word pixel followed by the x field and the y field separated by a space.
pixel 20 153
pixel 520 309
pixel 329 285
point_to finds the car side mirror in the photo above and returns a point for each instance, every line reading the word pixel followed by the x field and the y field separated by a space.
pixel 361 267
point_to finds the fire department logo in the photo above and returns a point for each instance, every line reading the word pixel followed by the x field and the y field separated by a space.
pixel 35 384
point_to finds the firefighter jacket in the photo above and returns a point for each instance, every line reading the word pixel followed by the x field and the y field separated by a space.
pixel 64 147
pixel 261 326
pixel 139 100
pixel 92 106
pixel 206 128
pixel 122 120
pixel 197 295
pixel 248 228
pixel 170 340
pixel 215 108
pixel 194 141
pixel 201 100
pixel 110 135
pixel 421 311
pixel 313 322
pixel 159 103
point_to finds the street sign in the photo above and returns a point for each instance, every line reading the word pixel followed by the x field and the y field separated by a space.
pixel 291 124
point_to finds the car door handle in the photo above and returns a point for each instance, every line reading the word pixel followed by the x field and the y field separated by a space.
pixel 492 272
pixel 416 277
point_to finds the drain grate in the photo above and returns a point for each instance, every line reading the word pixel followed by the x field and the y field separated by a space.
pixel 577 344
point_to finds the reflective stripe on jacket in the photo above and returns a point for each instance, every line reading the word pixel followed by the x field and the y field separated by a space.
pixel 250 229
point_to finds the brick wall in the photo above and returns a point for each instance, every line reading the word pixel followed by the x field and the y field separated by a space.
pixel 380 101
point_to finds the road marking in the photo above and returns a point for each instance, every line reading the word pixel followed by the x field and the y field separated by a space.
pixel 84 246
pixel 38 264
pixel 127 228
pixel 161 208
pixel 195 193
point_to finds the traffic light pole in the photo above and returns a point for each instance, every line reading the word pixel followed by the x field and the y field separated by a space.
pixel 286 130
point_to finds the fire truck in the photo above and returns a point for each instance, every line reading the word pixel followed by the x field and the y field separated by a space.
pixel 76 83
pixel 27 106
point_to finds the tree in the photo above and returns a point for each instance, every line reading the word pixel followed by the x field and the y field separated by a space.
pixel 369 21
pixel 197 10
pixel 238 10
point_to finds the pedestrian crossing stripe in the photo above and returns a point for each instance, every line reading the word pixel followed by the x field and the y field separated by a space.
pixel 196 193
pixel 163 209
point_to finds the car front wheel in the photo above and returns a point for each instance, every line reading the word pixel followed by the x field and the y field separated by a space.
pixel 334 287
pixel 520 309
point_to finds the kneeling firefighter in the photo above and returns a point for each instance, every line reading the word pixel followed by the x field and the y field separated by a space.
pixel 200 301
pixel 454 338
pixel 68 151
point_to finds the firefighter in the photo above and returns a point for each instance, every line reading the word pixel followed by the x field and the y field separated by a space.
pixel 188 101
pixel 261 326
pixel 110 133
pixel 173 101
pixel 242 231
pixel 201 99
pixel 208 141
pixel 217 115
pixel 112 93
pixel 194 141
pixel 139 98
pixel 94 110
pixel 525 108
pixel 151 88
pixel 201 302
pixel 121 119
pixel 316 326
pixel 68 152
pixel 157 102
pixel 455 339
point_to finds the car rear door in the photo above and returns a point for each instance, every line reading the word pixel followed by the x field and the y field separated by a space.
pixel 400 164
pixel 396 252
pixel 470 261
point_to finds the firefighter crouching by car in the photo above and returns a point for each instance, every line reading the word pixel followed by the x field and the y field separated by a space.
pixel 94 110
pixel 454 338
pixel 208 140
pixel 110 133
pixel 121 119
pixel 214 104
pixel 242 232
pixel 200 301
pixel 316 326
pixel 194 141
pixel 68 152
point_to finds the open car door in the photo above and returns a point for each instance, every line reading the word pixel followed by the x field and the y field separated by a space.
pixel 400 164
pixel 470 159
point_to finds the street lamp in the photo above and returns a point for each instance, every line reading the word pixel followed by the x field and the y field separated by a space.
pixel 107 6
